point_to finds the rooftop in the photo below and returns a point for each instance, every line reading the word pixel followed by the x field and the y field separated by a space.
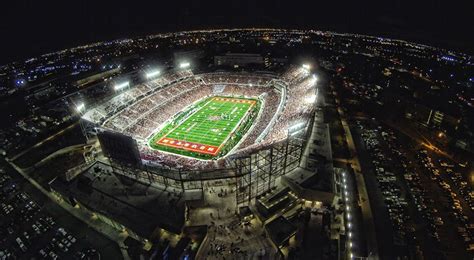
pixel 139 207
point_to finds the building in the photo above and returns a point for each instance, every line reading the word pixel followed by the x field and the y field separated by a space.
pixel 141 210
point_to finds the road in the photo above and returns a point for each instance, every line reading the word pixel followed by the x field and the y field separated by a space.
pixel 47 139
pixel 367 215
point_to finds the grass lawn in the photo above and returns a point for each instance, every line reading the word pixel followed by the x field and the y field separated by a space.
pixel 208 129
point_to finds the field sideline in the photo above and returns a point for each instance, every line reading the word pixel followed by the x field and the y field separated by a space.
pixel 204 130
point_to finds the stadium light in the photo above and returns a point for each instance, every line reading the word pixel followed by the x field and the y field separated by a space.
pixel 152 74
pixel 80 107
pixel 306 66
pixel 121 85
pixel 310 99
pixel 184 65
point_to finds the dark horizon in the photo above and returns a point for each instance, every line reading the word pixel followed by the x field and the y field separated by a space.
pixel 34 28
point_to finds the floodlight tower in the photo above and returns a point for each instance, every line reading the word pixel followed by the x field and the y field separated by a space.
pixel 152 74
pixel 80 109
pixel 122 85
pixel 184 65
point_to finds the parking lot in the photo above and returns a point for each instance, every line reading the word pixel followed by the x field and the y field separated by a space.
pixel 451 213
pixel 33 227
pixel 428 199
pixel 387 194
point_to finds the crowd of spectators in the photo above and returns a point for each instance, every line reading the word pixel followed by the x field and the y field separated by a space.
pixel 109 108
pixel 205 86
pixel 131 115
pixel 170 104
pixel 236 79
pixel 158 101
pixel 298 107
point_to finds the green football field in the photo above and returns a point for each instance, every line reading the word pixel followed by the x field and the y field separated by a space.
pixel 207 129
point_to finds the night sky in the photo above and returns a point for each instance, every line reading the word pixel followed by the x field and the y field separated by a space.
pixel 38 26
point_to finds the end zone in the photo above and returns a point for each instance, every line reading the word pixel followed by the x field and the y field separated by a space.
pixel 193 147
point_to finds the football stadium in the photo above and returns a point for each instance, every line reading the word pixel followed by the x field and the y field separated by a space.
pixel 179 129
pixel 191 144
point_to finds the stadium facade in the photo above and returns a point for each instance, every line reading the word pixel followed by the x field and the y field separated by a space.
pixel 271 147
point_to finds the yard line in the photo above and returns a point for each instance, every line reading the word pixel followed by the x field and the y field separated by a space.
pixel 196 128
pixel 185 120
pixel 199 123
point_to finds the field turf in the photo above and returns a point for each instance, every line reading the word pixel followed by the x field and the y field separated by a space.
pixel 206 128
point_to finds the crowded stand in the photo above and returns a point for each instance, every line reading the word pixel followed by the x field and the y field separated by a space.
pixel 298 108
pixel 100 113
pixel 236 79
pixel 142 110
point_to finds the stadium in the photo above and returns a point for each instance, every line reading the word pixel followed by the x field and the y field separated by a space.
pixel 179 128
